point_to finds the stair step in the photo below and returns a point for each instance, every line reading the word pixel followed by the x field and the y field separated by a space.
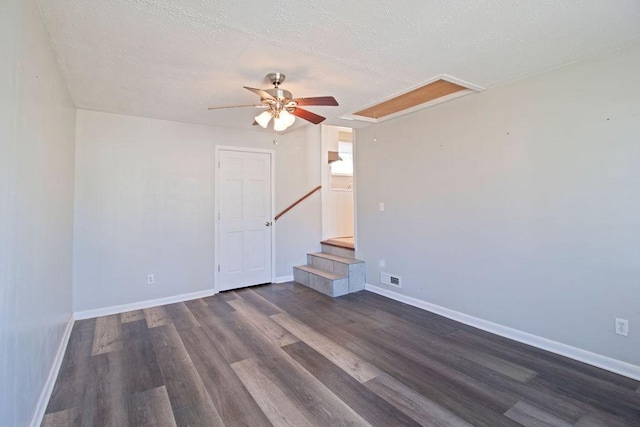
pixel 338 251
pixel 335 264
pixel 322 273
pixel 336 258
pixel 331 284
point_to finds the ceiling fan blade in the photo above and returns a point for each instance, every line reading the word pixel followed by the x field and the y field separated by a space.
pixel 317 100
pixel 307 115
pixel 236 106
pixel 261 93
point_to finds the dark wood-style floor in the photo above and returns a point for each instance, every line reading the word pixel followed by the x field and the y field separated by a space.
pixel 286 355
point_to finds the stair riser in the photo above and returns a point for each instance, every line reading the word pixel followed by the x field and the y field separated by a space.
pixel 333 288
pixel 328 265
pixel 334 250
pixel 301 276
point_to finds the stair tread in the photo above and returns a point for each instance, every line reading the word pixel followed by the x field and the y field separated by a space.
pixel 336 258
pixel 321 273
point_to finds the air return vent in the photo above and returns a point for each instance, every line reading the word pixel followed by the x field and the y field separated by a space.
pixel 390 279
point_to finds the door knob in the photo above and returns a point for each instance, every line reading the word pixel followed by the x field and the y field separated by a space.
pixel 268 223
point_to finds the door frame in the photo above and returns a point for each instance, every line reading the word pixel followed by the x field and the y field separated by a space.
pixel 216 228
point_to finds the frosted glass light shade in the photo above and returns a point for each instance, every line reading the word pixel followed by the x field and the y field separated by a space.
pixel 279 125
pixel 288 118
pixel 282 122
pixel 263 118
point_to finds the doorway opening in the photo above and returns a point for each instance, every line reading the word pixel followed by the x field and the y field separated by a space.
pixel 338 214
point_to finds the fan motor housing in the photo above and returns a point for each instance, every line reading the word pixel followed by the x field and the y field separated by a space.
pixel 279 93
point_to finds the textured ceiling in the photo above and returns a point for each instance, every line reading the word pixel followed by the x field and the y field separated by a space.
pixel 171 59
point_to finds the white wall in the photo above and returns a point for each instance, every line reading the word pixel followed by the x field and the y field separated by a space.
pixel 36 210
pixel 299 231
pixel 519 205
pixel 145 204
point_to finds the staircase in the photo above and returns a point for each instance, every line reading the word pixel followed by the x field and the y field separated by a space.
pixel 334 271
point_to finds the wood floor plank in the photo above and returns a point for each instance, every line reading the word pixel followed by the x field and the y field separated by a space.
pixel 233 402
pixel 184 386
pixel 532 416
pixel 549 361
pixel 270 329
pixel 561 379
pixel 292 303
pixel 196 303
pixel 131 316
pixel 296 383
pixel 107 335
pixel 280 410
pixel 229 295
pixel 347 361
pixel 346 310
pixel 412 403
pixel 445 350
pixel 220 329
pixel 600 419
pixel 66 418
pixel 181 316
pixel 151 408
pixel 156 316
pixel 465 403
pixel 71 383
pixel 366 403
pixel 446 347
pixel 502 366
pixel 618 402
pixel 190 416
pixel 561 404
pixel 143 369
pixel 261 304
pixel 320 302
pixel 105 400
pixel 441 365
pixel 414 315
pixel 218 306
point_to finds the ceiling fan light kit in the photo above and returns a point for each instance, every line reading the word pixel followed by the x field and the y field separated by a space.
pixel 282 107
pixel 263 118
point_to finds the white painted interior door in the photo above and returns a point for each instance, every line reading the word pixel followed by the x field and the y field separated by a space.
pixel 244 221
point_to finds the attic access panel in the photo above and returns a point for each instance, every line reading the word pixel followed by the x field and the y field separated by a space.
pixel 436 91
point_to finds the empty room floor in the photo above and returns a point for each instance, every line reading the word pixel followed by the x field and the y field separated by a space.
pixel 286 355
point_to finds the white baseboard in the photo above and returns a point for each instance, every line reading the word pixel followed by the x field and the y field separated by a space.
pixel 283 279
pixel 116 309
pixel 43 401
pixel 598 360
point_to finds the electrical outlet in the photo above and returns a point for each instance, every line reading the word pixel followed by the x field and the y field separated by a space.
pixel 622 327
pixel 382 263
pixel 150 279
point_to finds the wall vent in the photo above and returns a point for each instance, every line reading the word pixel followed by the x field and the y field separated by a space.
pixel 390 279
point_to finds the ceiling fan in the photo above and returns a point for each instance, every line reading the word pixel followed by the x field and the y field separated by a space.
pixel 281 106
